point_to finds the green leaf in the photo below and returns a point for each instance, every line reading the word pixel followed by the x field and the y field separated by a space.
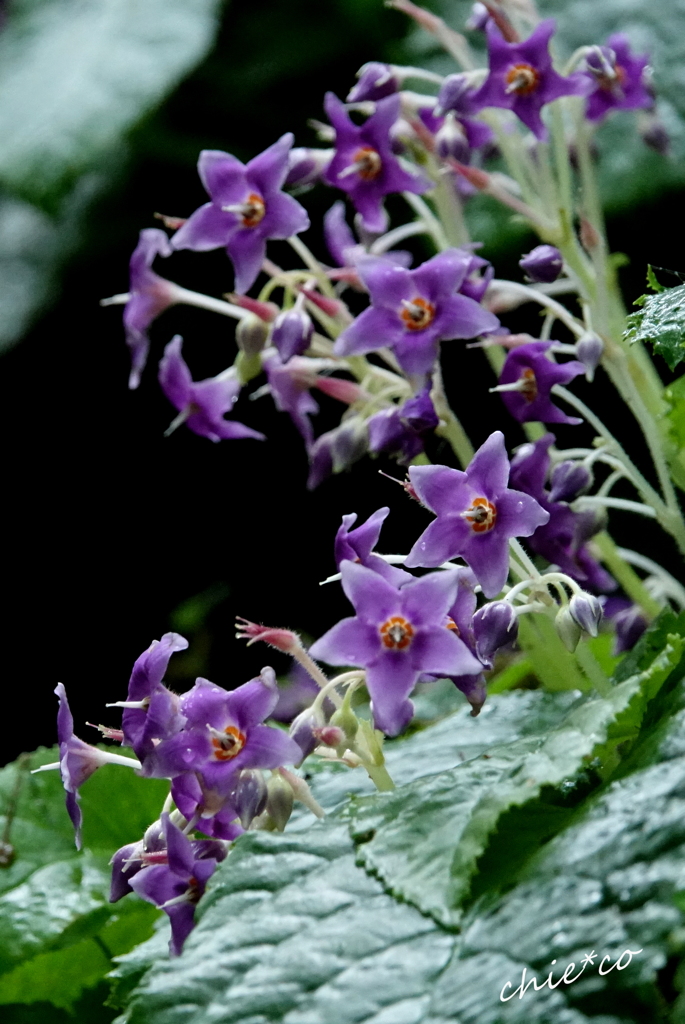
pixel 661 323
pixel 57 926
pixel 674 396
pixel 652 280
pixel 75 78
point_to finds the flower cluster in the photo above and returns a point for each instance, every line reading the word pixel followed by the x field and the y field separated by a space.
pixel 460 617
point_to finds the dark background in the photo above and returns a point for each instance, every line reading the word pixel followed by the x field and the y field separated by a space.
pixel 114 534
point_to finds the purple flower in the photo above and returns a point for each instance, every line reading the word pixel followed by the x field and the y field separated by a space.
pixel 413 310
pixel 364 165
pixel 306 166
pixel 399 430
pixel 398 634
pixel 201 404
pixel 476 514
pixel 375 81
pixel 344 248
pixel 628 620
pixel 543 264
pixel 247 207
pixel 357 546
pixel 527 379
pixel 224 734
pixel 149 295
pixel 522 78
pixel 292 331
pixel 569 479
pixel 177 886
pixel 561 540
pixel 618 78
pixel 289 384
pixel 157 715
pixel 216 814
pixel 494 625
pixel 77 761
pixel 336 450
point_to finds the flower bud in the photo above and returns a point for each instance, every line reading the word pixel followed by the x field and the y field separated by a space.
pixel 478 18
pixel 589 349
pixel 279 801
pixel 305 166
pixel 346 720
pixel 567 628
pixel 375 81
pixel 337 450
pixel 630 624
pixel 543 264
pixel 586 610
pixel 655 135
pixel 451 141
pixel 302 730
pixel 494 625
pixel 249 797
pixel 330 735
pixel 154 838
pixel 453 95
pixel 292 332
pixel 251 334
pixel 569 479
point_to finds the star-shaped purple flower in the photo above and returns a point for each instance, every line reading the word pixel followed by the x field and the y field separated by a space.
pixel 364 164
pixel 149 295
pixel 522 78
pixel 290 390
pixel 618 78
pixel 476 514
pixel 398 634
pixel 157 715
pixel 176 887
pixel 400 430
pixel 201 404
pixel 247 208
pixel 412 311
pixel 527 379
pixel 224 734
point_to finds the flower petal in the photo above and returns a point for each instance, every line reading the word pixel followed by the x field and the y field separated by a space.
pixel 390 680
pixel 209 227
pixel 349 642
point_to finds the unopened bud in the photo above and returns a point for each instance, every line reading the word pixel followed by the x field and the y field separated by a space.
pixel 494 625
pixel 375 81
pixel 586 611
pixel 251 334
pixel 330 735
pixel 630 624
pixel 543 264
pixel 279 801
pixel 451 141
pixel 346 721
pixel 567 628
pixel 655 135
pixel 267 311
pixel 589 236
pixel 250 796
pixel 343 390
pixel 306 166
pixel 589 349
pixel 292 332
pixel 302 730
pixel 569 479
pixel 478 18
pixel 453 95
pixel 282 639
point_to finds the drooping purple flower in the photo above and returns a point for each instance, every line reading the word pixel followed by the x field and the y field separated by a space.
pixel 400 430
pixel 148 296
pixel 526 381
pixel 247 208
pixel 290 390
pixel 618 78
pixel 177 886
pixel 569 479
pixel 628 620
pixel 476 514
pixel 224 734
pixel 398 634
pixel 543 264
pixel 364 165
pixel 562 539
pixel 337 450
pixel 356 545
pixel 522 78
pixel 495 625
pixel 130 859
pixel 292 331
pixel 412 311
pixel 157 715
pixel 203 403
pixel 343 246
pixel 215 813
pixel 375 81
pixel 295 694
pixel 306 166
pixel 77 761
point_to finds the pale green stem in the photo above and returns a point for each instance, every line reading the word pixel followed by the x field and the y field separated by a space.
pixel 313 264
pixel 592 670
pixel 626 576
pixel 433 225
pixel 448 205
pixel 380 777
pixel 450 427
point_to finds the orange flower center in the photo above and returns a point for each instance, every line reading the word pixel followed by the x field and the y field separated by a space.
pixel 523 79
pixel 367 163
pixel 613 82
pixel 528 385
pixel 396 633
pixel 417 314
pixel 451 624
pixel 253 210
pixel 482 515
pixel 228 745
